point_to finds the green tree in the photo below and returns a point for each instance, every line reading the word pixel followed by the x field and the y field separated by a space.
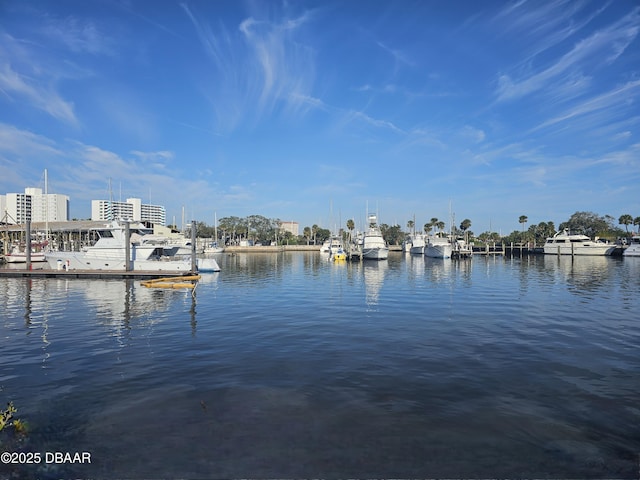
pixel 322 234
pixel 625 220
pixel 636 221
pixel 350 225
pixel 523 219
pixel 306 233
pixel 465 224
pixel 587 223
pixel 410 225
pixel 393 235
pixel 427 228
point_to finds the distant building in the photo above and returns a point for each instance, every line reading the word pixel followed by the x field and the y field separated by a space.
pixel 133 209
pixel 50 207
pixel 33 205
pixel 291 227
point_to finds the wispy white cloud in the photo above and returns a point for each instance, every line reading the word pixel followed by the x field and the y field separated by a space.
pixel 23 143
pixel 398 56
pixel 363 118
pixel 475 135
pixel 611 100
pixel 78 35
pixel 23 155
pixel 286 65
pixel 155 160
pixel 602 47
pixel 35 87
pixel 43 97
pixel 259 68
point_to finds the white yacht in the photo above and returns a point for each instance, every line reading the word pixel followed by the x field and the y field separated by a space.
pixel 438 247
pixel 109 251
pixel 418 244
pixel 565 243
pixel 373 245
pixel 331 245
pixel 633 250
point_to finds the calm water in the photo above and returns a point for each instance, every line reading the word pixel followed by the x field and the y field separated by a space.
pixel 285 365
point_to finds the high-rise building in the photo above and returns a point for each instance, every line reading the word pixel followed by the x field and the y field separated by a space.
pixel 133 209
pixel 50 207
pixel 291 227
pixel 34 206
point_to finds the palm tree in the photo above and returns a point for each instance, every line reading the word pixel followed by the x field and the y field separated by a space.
pixel 350 225
pixel 410 225
pixel 636 221
pixel 440 225
pixel 427 228
pixel 625 220
pixel 464 226
pixel 523 219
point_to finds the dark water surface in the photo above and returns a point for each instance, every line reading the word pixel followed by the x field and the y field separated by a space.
pixel 286 365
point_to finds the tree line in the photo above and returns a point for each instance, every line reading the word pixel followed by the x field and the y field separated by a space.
pixel 265 230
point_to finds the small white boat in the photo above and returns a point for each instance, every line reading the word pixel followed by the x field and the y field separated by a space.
pixel 633 250
pixel 565 243
pixel 20 256
pixel 213 247
pixel 438 247
pixel 374 246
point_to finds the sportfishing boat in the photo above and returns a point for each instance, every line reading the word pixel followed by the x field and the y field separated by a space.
pixel 565 243
pixel 109 252
pixel 633 250
pixel 331 245
pixel 339 255
pixel 438 247
pixel 374 246
pixel 418 244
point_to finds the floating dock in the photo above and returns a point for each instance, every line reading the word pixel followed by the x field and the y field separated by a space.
pixel 186 281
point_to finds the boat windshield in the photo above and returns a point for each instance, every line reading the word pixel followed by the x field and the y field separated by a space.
pixel 105 233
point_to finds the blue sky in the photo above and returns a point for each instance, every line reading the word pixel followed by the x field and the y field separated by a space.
pixel 310 111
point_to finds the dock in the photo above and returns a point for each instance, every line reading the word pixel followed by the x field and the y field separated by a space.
pixel 88 274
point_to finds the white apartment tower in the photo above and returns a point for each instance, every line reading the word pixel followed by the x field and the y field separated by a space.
pixel 291 227
pixel 133 209
pixel 33 205
pixel 50 207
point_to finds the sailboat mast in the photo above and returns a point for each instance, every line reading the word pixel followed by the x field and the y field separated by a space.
pixel 215 225
pixel 46 211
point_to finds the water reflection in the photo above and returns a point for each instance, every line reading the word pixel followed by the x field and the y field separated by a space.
pixel 111 303
pixel 583 274
pixel 373 273
pixel 281 347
